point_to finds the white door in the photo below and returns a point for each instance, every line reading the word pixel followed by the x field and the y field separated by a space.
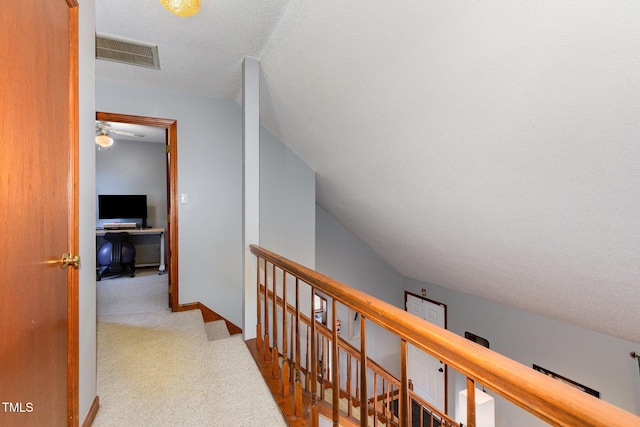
pixel 427 372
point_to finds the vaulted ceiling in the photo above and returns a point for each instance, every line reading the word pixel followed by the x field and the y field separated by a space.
pixel 490 147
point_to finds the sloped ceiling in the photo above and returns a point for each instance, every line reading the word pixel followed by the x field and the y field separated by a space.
pixel 491 147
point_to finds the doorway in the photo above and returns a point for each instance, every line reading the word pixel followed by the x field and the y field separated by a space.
pixel 428 374
pixel 171 129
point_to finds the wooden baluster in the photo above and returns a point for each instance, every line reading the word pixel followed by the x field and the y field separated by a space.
pixel 364 404
pixel 285 358
pixel 348 385
pixel 267 349
pixel 375 398
pixel 387 406
pixel 321 362
pixel 471 403
pixel 357 380
pixel 325 357
pixel 314 364
pixel 292 345
pixel 275 358
pixel 325 365
pixel 403 412
pixel 307 376
pixel 334 367
pixel 259 311
pixel 298 380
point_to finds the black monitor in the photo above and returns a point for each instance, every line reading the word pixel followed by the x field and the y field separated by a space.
pixel 121 206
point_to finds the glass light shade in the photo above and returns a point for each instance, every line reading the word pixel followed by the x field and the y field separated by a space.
pixel 182 7
pixel 104 140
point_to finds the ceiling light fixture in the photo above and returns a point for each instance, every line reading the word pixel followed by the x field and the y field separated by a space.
pixel 182 7
pixel 104 140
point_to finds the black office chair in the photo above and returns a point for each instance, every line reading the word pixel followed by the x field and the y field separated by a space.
pixel 116 256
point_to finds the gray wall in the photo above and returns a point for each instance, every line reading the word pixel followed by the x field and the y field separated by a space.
pixel 343 257
pixel 287 202
pixel 86 209
pixel 595 360
pixel 287 215
pixel 210 171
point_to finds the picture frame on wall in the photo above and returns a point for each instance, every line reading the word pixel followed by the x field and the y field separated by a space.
pixel 567 381
pixel 354 324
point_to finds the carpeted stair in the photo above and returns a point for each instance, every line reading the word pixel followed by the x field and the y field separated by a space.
pixel 216 330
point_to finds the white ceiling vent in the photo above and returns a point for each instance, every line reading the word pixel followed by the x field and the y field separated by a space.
pixel 127 51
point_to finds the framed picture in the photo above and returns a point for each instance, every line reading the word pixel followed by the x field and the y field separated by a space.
pixel 354 324
pixel 567 381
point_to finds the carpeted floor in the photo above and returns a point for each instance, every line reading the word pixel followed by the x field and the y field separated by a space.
pixel 157 368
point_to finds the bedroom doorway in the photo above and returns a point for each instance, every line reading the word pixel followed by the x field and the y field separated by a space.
pixel 171 129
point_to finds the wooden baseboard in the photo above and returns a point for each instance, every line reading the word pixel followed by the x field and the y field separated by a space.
pixel 93 411
pixel 187 307
pixel 209 315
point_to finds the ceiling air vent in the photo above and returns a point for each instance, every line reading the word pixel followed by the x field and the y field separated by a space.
pixel 127 51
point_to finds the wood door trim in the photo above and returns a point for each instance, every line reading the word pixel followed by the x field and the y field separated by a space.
pixel 428 300
pixel 172 201
pixel 73 339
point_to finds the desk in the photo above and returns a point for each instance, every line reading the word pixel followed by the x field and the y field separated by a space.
pixel 144 231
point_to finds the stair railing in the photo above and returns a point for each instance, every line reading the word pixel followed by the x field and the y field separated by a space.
pixel 375 397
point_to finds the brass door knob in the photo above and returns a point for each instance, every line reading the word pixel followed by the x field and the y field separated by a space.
pixel 67 260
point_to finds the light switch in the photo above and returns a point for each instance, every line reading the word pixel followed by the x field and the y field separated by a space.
pixel 184 198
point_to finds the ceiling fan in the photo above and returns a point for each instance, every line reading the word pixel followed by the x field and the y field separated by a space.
pixel 104 128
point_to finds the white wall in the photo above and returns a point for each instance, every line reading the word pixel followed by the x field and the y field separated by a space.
pixel 342 256
pixel 210 171
pixel 595 360
pixel 86 207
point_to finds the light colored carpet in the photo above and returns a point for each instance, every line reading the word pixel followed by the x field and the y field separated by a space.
pixel 125 295
pixel 157 368
pixel 216 330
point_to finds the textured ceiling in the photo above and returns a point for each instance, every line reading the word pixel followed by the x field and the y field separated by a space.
pixel 489 147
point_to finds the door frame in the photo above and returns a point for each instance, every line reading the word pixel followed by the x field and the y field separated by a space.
pixel 73 292
pixel 446 368
pixel 171 127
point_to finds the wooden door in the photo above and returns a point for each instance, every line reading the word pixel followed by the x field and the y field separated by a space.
pixel 38 122
pixel 426 371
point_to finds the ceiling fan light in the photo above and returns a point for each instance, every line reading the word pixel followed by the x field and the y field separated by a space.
pixel 104 140
pixel 182 7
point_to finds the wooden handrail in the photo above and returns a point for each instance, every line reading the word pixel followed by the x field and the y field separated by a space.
pixel 550 400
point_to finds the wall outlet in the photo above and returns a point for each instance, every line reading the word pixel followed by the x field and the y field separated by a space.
pixel 424 292
pixel 184 198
